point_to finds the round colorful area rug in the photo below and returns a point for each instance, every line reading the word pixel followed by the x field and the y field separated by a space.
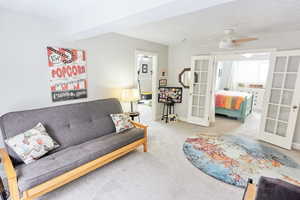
pixel 234 159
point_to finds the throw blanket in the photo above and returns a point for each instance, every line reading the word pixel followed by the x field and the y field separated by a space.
pixel 230 100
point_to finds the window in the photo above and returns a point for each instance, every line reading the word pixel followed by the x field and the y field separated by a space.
pixel 250 71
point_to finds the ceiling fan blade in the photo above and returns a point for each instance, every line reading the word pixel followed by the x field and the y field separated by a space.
pixel 242 40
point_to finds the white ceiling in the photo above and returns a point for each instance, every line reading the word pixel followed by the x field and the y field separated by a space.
pixel 250 18
pixel 76 10
pixel 165 21
pixel 106 10
pixel 86 18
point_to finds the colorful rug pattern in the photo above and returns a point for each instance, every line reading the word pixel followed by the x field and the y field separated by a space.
pixel 233 159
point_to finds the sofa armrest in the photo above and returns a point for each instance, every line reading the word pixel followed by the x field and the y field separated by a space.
pixel 142 126
pixel 8 166
pixel 10 174
pixel 250 191
pixel 139 125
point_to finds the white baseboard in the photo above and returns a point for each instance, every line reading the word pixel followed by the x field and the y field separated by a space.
pixel 184 119
pixel 296 146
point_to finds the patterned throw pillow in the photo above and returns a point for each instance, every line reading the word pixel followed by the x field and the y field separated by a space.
pixel 32 144
pixel 122 122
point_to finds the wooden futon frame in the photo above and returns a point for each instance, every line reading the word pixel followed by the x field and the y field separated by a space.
pixel 67 177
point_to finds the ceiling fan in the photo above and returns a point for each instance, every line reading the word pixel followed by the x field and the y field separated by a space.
pixel 229 41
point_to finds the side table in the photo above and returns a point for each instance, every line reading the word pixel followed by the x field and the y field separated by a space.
pixel 133 115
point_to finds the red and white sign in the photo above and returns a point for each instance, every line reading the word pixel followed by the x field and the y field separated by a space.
pixel 68 73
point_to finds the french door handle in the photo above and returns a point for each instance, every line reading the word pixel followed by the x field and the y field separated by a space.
pixel 295 107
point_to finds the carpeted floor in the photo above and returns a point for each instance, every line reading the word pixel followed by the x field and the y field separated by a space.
pixel 234 159
pixel 161 174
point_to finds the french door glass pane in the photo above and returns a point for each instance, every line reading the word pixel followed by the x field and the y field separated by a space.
pixel 294 62
pixel 201 65
pixel 196 89
pixel 198 65
pixel 270 126
pixel 272 111
pixel 201 112
pixel 280 64
pixel 284 113
pixel 204 77
pixel 196 77
pixel 277 80
pixel 275 96
pixel 194 111
pixel 195 100
pixel 204 66
pixel 202 101
pixel 281 129
pixel 203 89
pixel 290 81
pixel 287 98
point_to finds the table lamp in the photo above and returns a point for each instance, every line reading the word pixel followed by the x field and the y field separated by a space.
pixel 130 95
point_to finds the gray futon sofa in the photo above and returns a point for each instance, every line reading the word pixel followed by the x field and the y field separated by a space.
pixel 87 138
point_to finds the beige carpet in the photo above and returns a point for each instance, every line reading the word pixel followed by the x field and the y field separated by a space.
pixel 161 174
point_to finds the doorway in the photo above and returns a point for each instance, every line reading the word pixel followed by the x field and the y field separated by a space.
pixel 239 89
pixel 146 67
pixel 280 101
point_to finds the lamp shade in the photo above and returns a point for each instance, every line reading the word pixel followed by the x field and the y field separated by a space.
pixel 130 95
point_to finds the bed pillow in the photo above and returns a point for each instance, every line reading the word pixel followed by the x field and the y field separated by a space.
pixel 32 144
pixel 122 122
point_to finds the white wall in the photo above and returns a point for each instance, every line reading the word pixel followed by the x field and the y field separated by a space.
pixel 24 72
pixel 225 81
pixel 180 57
pixel 111 62
pixel 24 75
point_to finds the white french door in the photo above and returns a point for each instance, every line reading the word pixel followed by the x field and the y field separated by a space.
pixel 200 90
pixel 282 99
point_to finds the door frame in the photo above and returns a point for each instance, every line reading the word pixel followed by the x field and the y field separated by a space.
pixel 268 137
pixel 155 70
pixel 229 55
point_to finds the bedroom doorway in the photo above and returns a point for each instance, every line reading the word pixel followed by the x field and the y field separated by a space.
pixel 239 89
pixel 146 67
pixel 259 94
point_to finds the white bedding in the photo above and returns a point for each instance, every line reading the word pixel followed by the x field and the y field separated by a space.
pixel 233 93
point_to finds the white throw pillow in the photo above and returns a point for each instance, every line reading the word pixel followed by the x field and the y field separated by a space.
pixel 122 122
pixel 32 144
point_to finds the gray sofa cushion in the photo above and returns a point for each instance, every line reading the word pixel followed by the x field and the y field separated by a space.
pixel 69 125
pixel 276 189
pixel 70 158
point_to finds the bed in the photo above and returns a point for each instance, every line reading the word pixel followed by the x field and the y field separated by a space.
pixel 234 104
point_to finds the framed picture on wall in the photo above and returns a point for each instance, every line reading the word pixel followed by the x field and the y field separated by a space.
pixel 166 94
pixel 68 73
pixel 144 68
pixel 163 82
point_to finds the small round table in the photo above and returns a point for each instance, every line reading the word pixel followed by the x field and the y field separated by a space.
pixel 133 115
